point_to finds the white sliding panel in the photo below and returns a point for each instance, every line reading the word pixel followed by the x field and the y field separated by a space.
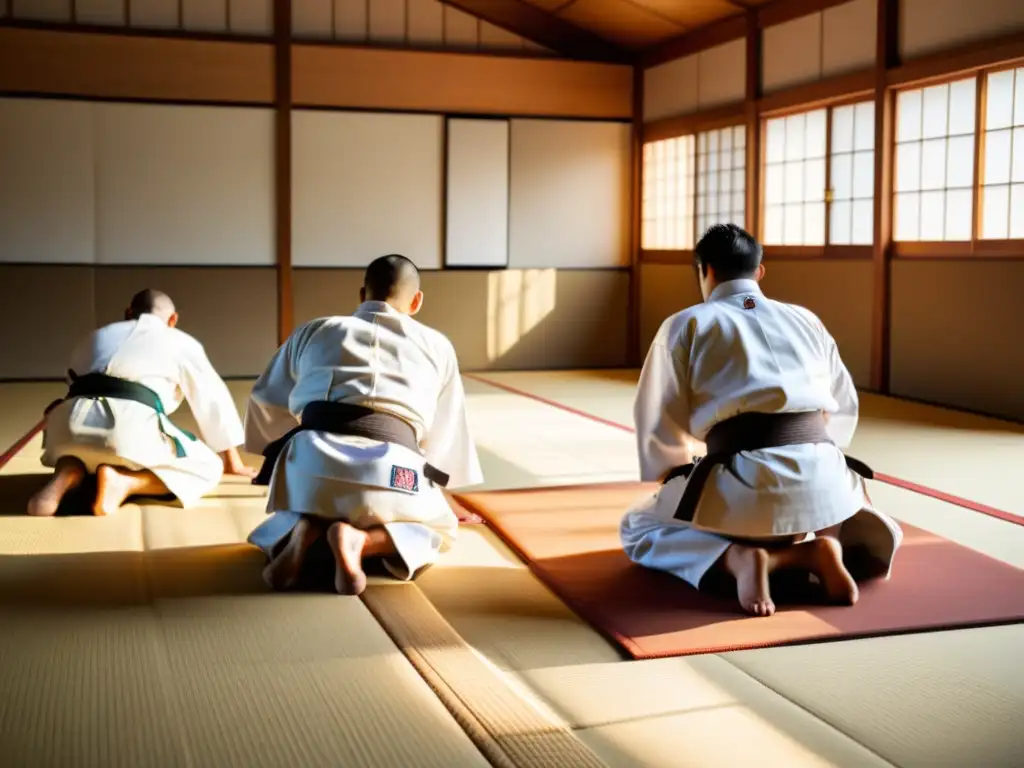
pixel 104 12
pixel 364 185
pixel 46 182
pixel 477 205
pixel 569 194
pixel 251 17
pixel 155 14
pixel 184 185
pixel 204 15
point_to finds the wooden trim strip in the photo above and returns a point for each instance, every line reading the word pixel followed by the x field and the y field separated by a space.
pixel 126 30
pixel 959 61
pixel 633 351
pixel 832 91
pixel 686 125
pixel 979 249
pixel 283 165
pixel 886 56
pixel 752 94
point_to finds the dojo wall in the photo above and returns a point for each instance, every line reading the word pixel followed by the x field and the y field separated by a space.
pixel 522 222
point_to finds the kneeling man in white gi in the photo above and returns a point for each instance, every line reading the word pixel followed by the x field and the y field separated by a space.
pixel 125 379
pixel 362 423
pixel 762 383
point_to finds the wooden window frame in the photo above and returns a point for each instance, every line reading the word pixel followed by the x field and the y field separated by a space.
pixel 826 251
pixel 976 247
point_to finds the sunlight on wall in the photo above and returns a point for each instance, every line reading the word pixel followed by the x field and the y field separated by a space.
pixel 517 302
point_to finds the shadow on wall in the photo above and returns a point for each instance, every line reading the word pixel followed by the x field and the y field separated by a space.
pixel 502 319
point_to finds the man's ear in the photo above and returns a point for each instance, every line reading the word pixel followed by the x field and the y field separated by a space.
pixel 760 272
pixel 417 303
pixel 128 313
pixel 362 295
pixel 172 320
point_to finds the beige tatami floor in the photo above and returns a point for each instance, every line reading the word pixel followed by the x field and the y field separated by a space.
pixel 148 639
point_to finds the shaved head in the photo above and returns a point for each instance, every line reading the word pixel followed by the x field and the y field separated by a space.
pixel 394 279
pixel 151 302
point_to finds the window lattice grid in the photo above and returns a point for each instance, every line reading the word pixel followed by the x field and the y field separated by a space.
pixel 721 177
pixel 794 191
pixel 1002 192
pixel 668 194
pixel 934 179
pixel 852 175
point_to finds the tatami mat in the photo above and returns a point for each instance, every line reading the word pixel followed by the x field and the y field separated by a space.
pixel 275 679
pixel 957 453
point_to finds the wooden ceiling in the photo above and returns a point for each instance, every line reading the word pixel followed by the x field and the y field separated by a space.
pixel 604 29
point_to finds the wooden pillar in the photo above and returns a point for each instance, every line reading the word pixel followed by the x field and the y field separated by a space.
pixel 886 58
pixel 752 96
pixel 283 164
pixel 634 354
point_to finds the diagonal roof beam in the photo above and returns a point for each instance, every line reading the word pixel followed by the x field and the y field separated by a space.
pixel 545 29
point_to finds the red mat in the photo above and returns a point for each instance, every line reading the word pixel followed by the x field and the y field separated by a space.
pixel 569 538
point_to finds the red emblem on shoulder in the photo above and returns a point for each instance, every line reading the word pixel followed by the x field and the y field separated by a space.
pixel 749 303
pixel 404 479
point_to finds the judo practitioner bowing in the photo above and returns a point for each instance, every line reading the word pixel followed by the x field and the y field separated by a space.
pixel 762 384
pixel 125 380
pixel 362 423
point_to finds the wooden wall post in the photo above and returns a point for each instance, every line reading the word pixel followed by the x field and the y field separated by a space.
pixel 886 58
pixel 752 96
pixel 283 164
pixel 634 352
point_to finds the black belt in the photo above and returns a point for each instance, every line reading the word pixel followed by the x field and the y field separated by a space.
pixel 751 432
pixel 96 385
pixel 351 421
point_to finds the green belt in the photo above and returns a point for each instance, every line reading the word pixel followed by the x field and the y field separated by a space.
pixel 102 385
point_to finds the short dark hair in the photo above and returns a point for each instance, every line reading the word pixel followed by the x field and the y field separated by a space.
pixel 147 302
pixel 730 251
pixel 389 276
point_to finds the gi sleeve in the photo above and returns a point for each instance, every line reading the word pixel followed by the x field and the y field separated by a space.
pixel 661 411
pixel 843 423
pixel 267 415
pixel 449 444
pixel 208 397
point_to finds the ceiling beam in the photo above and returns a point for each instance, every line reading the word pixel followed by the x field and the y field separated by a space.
pixel 544 29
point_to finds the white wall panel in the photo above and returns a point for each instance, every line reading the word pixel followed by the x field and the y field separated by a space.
pixel 849 32
pixel 364 185
pixel 929 26
pixel 460 29
pixel 184 185
pixel 387 21
pixel 205 15
pixel 569 194
pixel 792 53
pixel 46 182
pixel 251 17
pixel 42 10
pixel 312 19
pixel 477 185
pixel 671 89
pixel 426 22
pixel 351 20
pixel 722 74
pixel 154 14
pixel 105 12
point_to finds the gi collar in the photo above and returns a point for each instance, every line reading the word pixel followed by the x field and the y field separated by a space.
pixel 734 288
pixel 379 307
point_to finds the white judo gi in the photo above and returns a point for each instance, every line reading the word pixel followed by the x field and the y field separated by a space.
pixel 741 352
pixel 124 433
pixel 384 360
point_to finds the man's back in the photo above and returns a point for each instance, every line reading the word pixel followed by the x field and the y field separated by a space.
pixel 377 358
pixel 742 352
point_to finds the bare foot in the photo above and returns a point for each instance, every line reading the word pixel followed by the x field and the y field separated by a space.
pixel 348 543
pixel 46 501
pixel 829 568
pixel 750 567
pixel 282 573
pixel 112 488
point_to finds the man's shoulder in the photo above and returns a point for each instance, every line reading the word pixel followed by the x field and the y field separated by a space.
pixel 437 340
pixel 803 312
pixel 677 324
